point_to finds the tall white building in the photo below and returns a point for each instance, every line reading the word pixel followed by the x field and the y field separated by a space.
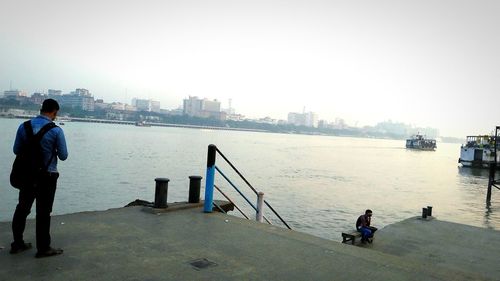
pixel 14 94
pixel 146 105
pixel 193 106
pixel 308 119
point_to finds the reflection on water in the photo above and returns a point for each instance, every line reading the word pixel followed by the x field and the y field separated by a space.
pixel 473 172
pixel 487 215
pixel 318 184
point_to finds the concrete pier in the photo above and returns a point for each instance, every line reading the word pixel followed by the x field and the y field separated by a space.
pixel 131 244
pixel 453 246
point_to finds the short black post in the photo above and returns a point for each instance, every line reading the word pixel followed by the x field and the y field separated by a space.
pixel 161 192
pixel 491 181
pixel 424 213
pixel 194 189
pixel 429 211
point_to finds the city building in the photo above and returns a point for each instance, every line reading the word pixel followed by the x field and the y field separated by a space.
pixel 146 105
pixel 193 106
pixel 80 98
pixel 14 94
pixel 155 106
pixel 230 110
pixel 267 120
pixel 235 117
pixel 54 93
pixel 308 119
pixel 38 98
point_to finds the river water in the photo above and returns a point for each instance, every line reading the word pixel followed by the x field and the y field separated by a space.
pixel 318 184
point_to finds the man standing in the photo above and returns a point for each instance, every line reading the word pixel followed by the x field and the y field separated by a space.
pixel 43 189
pixel 363 225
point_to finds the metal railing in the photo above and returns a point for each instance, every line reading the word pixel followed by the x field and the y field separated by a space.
pixel 209 188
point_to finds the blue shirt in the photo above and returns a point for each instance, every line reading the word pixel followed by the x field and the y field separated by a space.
pixel 53 142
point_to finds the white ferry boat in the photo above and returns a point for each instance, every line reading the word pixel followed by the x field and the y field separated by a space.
pixel 478 151
pixel 420 142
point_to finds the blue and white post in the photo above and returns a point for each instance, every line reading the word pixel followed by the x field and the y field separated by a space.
pixel 209 183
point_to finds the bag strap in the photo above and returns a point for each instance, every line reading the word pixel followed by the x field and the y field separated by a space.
pixel 28 129
pixel 38 137
pixel 47 127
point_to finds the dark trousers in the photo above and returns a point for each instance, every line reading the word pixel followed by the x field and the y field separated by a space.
pixel 44 193
pixel 367 232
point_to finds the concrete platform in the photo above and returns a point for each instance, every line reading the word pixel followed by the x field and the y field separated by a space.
pixel 130 244
pixel 445 244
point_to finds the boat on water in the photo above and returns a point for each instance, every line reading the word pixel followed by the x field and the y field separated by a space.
pixel 479 151
pixel 63 120
pixel 419 142
pixel 142 124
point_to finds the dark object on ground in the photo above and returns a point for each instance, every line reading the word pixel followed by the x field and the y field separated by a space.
pixel 351 236
pixel 49 253
pixel 139 202
pixel 15 249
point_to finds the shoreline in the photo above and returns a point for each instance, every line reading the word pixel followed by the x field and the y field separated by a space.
pixel 188 126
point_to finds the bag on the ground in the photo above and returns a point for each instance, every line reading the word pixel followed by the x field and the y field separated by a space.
pixel 29 165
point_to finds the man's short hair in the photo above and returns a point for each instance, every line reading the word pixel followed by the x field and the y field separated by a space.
pixel 368 211
pixel 49 105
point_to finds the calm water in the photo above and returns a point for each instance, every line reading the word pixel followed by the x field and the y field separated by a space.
pixel 318 184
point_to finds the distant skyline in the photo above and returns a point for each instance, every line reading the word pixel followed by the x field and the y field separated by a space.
pixel 428 63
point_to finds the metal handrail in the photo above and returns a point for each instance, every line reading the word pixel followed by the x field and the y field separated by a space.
pixel 231 201
pixel 220 208
pixel 238 190
pixel 249 185
pixel 236 170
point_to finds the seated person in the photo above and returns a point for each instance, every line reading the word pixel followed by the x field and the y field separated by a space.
pixel 363 226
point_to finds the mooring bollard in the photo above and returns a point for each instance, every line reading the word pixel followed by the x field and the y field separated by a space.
pixel 194 189
pixel 260 205
pixel 429 211
pixel 424 213
pixel 161 192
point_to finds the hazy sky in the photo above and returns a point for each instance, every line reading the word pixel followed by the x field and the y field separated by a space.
pixel 429 63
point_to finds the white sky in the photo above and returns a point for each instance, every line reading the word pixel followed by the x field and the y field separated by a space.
pixel 429 63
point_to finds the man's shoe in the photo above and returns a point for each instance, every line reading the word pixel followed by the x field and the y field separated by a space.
pixel 18 248
pixel 48 253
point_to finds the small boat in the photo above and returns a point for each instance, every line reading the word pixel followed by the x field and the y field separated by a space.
pixel 142 124
pixel 63 120
pixel 479 151
pixel 419 141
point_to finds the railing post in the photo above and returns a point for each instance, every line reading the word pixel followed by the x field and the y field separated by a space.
pixel 209 179
pixel 491 181
pixel 260 207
